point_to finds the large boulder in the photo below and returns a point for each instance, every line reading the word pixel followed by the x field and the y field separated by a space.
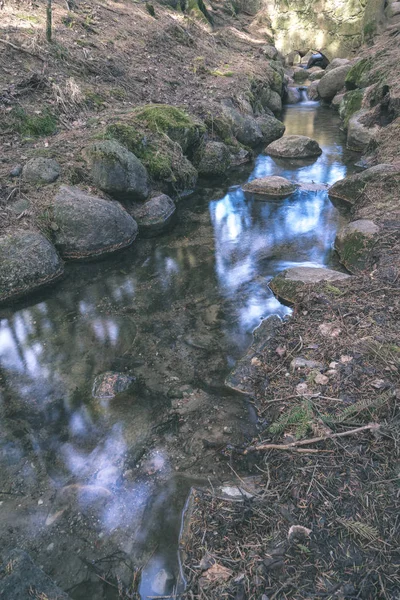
pixel 244 127
pixel 28 261
pixel 117 171
pixel 294 146
pixel 337 62
pixel 271 128
pixel 41 170
pixel 293 95
pixel 154 215
pixel 21 579
pixel 350 103
pixel 354 243
pixel 350 189
pixel 271 186
pixel 332 82
pixel 358 134
pixel 316 75
pixel 312 91
pixel 89 226
pixel 300 75
pixel 213 159
pixel 292 284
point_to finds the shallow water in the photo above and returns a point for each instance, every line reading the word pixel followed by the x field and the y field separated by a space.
pixel 93 487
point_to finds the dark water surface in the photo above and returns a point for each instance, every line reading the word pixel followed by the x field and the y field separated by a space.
pixel 92 488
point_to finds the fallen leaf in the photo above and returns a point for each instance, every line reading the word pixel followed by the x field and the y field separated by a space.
pixel 329 330
pixel 298 531
pixel 215 574
pixel 321 379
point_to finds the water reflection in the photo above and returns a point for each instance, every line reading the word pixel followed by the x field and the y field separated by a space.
pixel 175 313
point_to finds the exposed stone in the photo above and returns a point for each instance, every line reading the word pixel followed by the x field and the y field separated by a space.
pixel 292 284
pixel 213 158
pixel 153 216
pixel 335 104
pixel 354 243
pixel 300 74
pixel 274 102
pixel 16 171
pixel 27 262
pixel 350 104
pixel 244 127
pixel 312 91
pixel 332 82
pixel 21 579
pixel 117 171
pixel 316 75
pixel 41 170
pixel 304 363
pixel 107 385
pixel 294 146
pixel 90 226
pixel 271 128
pixel 358 134
pixel 293 95
pixel 271 186
pixel 337 62
pixel 350 189
pixel 270 52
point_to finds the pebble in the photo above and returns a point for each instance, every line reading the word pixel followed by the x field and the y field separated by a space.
pixel 40 502
pixel 50 547
pixel 321 379
pixel 16 171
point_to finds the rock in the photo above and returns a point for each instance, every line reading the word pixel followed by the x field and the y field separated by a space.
pixel 21 579
pixel 107 385
pixel 41 170
pixel 153 216
pixel 358 74
pixel 293 95
pixel 354 243
pixel 321 379
pixel 294 146
pixel 274 102
pixel 28 261
pixel 358 134
pixel 244 127
pixel 16 171
pixel 316 75
pixel 271 128
pixel 337 62
pixel 350 104
pixel 271 186
pixel 300 74
pixel 332 82
pixel 117 171
pixel 335 104
pixel 351 188
pixel 89 226
pixel 243 376
pixel 213 158
pixel 270 52
pixel 304 363
pixel 291 284
pixel 19 205
pixel 312 91
pixel 162 583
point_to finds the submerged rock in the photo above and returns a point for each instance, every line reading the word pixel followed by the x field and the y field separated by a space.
pixel 41 170
pixel 154 215
pixel 28 261
pixel 21 579
pixel 354 243
pixel 271 128
pixel 89 226
pixel 332 82
pixel 117 171
pixel 107 385
pixel 294 146
pixel 292 284
pixel 271 186
pixel 213 158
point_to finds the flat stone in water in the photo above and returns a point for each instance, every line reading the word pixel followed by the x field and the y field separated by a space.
pixel 271 186
pixel 291 284
pixel 294 146
pixel 154 215
pixel 107 385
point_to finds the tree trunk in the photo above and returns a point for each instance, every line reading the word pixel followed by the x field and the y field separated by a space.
pixel 48 21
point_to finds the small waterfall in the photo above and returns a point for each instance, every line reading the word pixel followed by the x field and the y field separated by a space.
pixel 303 94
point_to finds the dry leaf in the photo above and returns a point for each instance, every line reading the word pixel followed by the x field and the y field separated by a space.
pixel 215 574
pixel 298 531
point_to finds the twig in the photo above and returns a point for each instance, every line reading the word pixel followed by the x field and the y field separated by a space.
pixel 21 49
pixel 371 427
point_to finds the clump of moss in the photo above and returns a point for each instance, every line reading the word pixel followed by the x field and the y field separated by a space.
pixel 349 105
pixel 357 77
pixel 32 125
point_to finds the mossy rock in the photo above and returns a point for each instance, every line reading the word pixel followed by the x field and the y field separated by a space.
pixel 358 76
pixel 168 168
pixel 350 104
pixel 177 124
pixel 213 159
pixel 354 243
pixel 292 285
pixel 348 191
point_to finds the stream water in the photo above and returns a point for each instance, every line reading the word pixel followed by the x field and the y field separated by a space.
pixel 93 488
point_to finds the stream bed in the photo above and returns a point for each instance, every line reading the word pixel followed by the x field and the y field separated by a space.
pixel 93 488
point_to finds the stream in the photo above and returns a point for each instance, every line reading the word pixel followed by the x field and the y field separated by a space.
pixel 92 488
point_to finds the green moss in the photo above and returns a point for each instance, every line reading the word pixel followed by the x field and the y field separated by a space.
pixel 118 94
pixel 33 125
pixel 94 100
pixel 354 252
pixel 349 105
pixel 30 18
pixel 219 73
pixel 369 30
pixel 357 77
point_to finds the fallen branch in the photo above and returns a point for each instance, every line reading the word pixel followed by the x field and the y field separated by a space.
pixel 294 445
pixel 21 49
